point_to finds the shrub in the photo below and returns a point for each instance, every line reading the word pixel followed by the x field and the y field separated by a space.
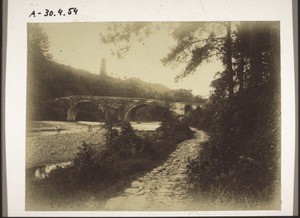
pixel 125 150
pixel 162 148
pixel 84 163
pixel 173 129
pixel 241 158
pixel 195 118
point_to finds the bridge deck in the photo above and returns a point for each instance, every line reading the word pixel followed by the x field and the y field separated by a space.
pixel 102 97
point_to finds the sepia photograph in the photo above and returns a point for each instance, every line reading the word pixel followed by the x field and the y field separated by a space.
pixel 153 116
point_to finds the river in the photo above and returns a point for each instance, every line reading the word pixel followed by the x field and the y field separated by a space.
pixel 49 143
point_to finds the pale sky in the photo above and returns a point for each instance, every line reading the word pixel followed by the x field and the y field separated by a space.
pixel 79 45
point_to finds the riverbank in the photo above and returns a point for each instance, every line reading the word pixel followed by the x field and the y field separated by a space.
pixel 104 174
pixel 52 142
pixel 156 179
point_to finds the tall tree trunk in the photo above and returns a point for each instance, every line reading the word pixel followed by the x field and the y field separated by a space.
pixel 275 58
pixel 240 74
pixel 244 31
pixel 229 60
pixel 255 55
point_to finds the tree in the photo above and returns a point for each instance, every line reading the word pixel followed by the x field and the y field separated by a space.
pixel 183 95
pixel 244 130
pixel 200 99
pixel 241 53
pixel 196 42
pixel 37 67
pixel 124 33
pixel 38 42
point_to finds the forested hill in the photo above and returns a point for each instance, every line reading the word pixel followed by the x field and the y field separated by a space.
pixel 48 80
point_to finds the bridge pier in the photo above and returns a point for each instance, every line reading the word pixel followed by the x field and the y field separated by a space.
pixel 121 113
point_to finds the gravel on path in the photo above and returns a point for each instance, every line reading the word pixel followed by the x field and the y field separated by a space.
pixel 165 187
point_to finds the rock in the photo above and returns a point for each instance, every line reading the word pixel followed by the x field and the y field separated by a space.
pixel 177 192
pixel 142 179
pixel 131 191
pixel 155 171
pixel 140 188
pixel 135 184
pixel 169 185
pixel 182 171
pixel 163 191
pixel 161 168
pixel 147 190
pixel 114 203
pixel 178 177
pixel 141 192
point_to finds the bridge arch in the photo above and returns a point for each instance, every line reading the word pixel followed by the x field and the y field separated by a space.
pixel 113 108
pixel 131 111
pixel 155 111
pixel 73 112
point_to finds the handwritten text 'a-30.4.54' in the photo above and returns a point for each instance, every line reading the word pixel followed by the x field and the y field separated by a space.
pixel 53 13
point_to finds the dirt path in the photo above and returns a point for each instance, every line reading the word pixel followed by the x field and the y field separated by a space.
pixel 165 187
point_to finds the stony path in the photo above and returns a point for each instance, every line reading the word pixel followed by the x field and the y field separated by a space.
pixel 165 187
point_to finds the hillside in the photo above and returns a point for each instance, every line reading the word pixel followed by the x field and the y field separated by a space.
pixel 48 80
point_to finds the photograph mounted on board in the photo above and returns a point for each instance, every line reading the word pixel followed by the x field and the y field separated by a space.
pixel 153 116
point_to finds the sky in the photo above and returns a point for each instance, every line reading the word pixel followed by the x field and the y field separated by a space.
pixel 79 45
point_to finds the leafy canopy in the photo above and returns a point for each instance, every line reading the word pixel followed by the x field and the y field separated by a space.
pixel 196 42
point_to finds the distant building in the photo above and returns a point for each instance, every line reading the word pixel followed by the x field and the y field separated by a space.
pixel 103 67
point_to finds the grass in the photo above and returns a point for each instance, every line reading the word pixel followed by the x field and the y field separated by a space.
pixel 218 199
pixel 61 192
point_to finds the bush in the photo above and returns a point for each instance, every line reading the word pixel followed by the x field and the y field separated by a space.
pixel 162 148
pixel 242 156
pixel 195 118
pixel 126 153
pixel 84 164
pixel 173 129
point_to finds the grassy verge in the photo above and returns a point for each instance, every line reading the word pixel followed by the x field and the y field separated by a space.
pixel 61 191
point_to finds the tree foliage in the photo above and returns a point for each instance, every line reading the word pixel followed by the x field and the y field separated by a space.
pixel 196 42
pixel 242 155
pixel 38 42
pixel 124 33
pixel 182 95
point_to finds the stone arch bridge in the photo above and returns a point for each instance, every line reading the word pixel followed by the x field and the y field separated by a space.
pixel 119 108
pixel 116 108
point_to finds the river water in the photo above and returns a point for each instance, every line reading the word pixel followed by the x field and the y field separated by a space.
pixel 61 127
